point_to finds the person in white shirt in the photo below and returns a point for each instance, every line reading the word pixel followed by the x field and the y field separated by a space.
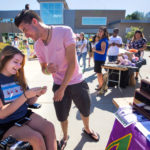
pixel 115 42
pixel 15 43
pixel 27 48
pixel 82 50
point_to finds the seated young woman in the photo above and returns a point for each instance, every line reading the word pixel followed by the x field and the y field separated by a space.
pixel 14 99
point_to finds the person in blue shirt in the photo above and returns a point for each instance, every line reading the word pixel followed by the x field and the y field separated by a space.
pixel 100 53
pixel 15 96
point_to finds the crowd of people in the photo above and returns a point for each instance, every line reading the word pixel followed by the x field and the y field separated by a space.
pixel 138 42
pixel 101 46
pixel 63 62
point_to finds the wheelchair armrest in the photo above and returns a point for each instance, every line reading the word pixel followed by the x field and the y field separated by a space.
pixel 35 106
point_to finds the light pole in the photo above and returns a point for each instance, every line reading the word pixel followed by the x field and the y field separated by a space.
pixel 11 20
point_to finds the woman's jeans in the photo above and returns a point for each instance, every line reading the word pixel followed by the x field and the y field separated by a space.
pixel 83 55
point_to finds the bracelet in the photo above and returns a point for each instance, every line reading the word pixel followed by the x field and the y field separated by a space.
pixel 46 72
pixel 25 95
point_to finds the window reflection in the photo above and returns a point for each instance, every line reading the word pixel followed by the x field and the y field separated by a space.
pixel 94 20
pixel 6 20
pixel 52 13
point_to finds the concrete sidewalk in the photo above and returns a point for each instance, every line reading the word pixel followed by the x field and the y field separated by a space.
pixel 102 108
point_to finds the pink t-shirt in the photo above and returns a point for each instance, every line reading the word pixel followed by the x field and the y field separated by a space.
pixel 54 52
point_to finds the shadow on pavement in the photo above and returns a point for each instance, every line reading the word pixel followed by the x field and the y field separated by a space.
pixel 91 78
pixel 89 69
pixel 104 102
pixel 83 140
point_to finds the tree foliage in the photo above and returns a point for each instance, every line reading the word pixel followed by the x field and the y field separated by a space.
pixel 135 16
pixel 147 16
pixel 138 16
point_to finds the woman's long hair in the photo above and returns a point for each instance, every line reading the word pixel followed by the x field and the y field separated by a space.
pixel 106 35
pixel 7 54
pixel 83 36
pixel 141 34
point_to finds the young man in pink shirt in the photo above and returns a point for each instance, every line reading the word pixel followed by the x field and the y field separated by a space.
pixel 55 48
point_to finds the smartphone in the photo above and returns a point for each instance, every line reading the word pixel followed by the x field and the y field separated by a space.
pixel 35 106
pixel 20 122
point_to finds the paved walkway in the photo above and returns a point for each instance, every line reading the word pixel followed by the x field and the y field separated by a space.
pixel 102 109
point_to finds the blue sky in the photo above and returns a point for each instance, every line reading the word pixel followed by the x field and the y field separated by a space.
pixel 129 5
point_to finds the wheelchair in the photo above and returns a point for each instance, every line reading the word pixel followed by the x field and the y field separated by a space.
pixel 10 143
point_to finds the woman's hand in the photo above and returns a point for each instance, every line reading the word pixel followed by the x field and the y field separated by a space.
pixel 93 49
pixel 43 91
pixel 38 91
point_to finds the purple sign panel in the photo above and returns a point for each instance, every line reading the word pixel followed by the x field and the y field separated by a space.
pixel 129 138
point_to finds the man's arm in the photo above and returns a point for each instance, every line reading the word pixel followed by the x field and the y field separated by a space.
pixel 71 60
pixel 119 45
pixel 70 57
pixel 120 42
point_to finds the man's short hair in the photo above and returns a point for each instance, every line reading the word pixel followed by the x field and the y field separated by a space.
pixel 15 37
pixel 26 16
pixel 27 6
pixel 116 30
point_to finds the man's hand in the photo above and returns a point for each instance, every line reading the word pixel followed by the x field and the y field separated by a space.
pixel 118 45
pixel 52 68
pixel 113 44
pixel 59 94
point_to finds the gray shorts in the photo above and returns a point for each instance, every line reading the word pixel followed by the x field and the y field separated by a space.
pixel 79 93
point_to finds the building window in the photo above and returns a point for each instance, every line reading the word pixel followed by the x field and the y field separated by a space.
pixel 52 13
pixel 94 20
pixel 6 20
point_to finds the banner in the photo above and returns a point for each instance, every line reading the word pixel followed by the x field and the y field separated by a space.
pixel 129 138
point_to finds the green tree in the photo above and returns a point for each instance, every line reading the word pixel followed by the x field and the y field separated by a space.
pixel 130 34
pixel 135 16
pixel 147 16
